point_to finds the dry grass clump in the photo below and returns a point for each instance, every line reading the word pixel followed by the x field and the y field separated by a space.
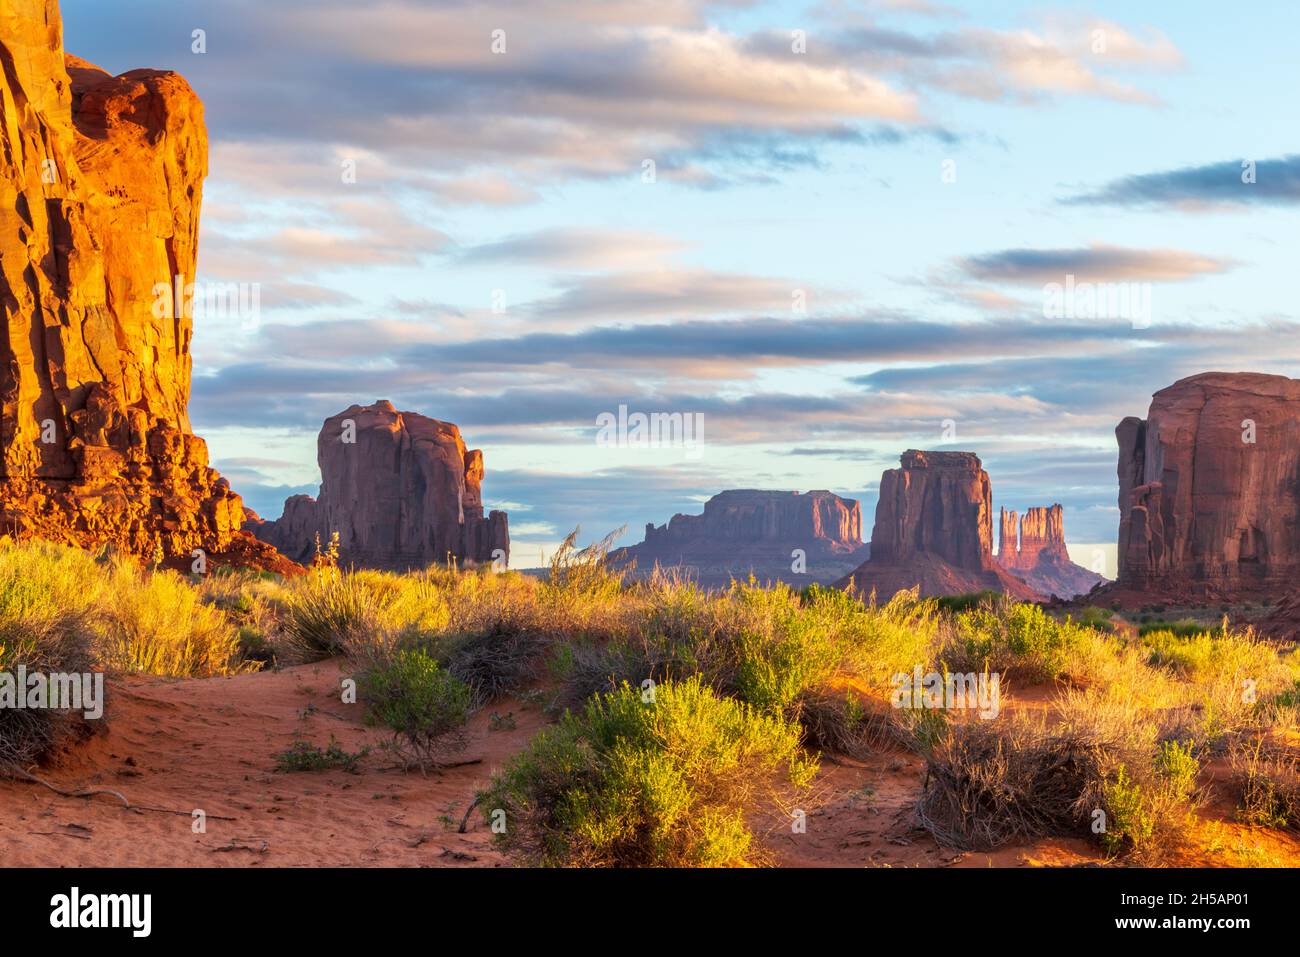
pixel 130 619
pixel 329 612
pixel 993 784
pixel 1268 773
pixel 48 600
pixel 156 622
pixel 1106 769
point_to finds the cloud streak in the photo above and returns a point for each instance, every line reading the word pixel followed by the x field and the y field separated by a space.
pixel 1210 186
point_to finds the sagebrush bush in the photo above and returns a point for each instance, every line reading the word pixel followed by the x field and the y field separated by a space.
pixel 1145 808
pixel 1019 636
pixel 423 706
pixel 648 783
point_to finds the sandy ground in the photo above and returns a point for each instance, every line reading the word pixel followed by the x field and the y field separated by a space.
pixel 212 744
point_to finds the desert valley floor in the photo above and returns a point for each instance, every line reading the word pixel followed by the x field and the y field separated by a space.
pixel 182 744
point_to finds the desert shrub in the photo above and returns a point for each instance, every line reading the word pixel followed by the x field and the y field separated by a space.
pixel 252 601
pixel 493 663
pixel 155 622
pixel 989 784
pixel 47 609
pixel 328 612
pixel 1231 681
pixel 1269 777
pixel 1020 636
pixel 636 783
pixel 777 649
pixel 1184 628
pixel 497 636
pixel 969 601
pixel 305 756
pixel 423 706
pixel 992 784
pixel 1145 810
pixel 782 648
pixel 1098 619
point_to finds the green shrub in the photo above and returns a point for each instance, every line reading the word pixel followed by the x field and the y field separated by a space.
pixel 1146 810
pixel 631 782
pixel 1022 636
pixel 1185 628
pixel 423 706
pixel 1098 619
pixel 305 756
pixel 969 601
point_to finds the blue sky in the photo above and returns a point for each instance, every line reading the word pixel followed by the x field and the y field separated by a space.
pixel 921 172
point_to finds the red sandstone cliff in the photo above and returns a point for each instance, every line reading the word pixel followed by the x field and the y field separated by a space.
pixel 796 538
pixel 401 490
pixel 1038 555
pixel 1210 489
pixel 934 530
pixel 100 186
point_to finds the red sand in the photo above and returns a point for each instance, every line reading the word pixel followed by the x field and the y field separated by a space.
pixel 212 744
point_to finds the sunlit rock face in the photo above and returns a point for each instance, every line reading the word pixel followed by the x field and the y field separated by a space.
pixel 100 187
pixel 400 489
pixel 1209 488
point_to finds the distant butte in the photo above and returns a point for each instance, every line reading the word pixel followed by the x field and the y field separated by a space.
pixel 400 489
pixel 774 535
pixel 934 531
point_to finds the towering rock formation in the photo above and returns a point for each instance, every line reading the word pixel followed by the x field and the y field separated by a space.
pixel 401 490
pixel 1008 538
pixel 1040 557
pixel 100 185
pixel 785 536
pixel 1209 489
pixel 934 529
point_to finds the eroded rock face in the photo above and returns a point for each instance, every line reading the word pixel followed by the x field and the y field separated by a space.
pixel 775 535
pixel 400 489
pixel 934 529
pixel 1210 488
pixel 1038 553
pixel 100 186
